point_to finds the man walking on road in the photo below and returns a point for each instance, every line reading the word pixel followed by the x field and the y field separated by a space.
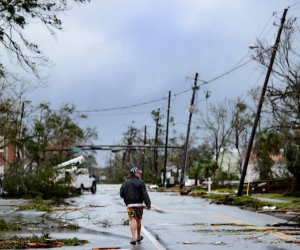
pixel 134 193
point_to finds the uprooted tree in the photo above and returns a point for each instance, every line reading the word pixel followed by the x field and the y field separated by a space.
pixel 46 128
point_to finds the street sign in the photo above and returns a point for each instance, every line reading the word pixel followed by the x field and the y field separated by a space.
pixel 76 149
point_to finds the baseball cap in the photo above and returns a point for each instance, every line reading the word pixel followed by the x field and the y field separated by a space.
pixel 135 170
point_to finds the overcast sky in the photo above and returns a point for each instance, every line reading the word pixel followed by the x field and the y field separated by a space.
pixel 121 53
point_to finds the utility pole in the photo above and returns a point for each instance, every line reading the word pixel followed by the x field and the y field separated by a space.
pixel 155 149
pixel 166 144
pixel 19 153
pixel 259 107
pixel 145 138
pixel 195 88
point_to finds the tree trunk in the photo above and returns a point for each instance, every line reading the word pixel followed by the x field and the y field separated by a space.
pixel 206 174
pixel 296 183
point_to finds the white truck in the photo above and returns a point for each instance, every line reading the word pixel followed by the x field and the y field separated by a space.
pixel 80 178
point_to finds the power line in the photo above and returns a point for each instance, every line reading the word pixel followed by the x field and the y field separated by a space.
pixel 181 92
pixel 131 106
pixel 124 107
pixel 126 113
pixel 295 9
pixel 255 83
pixel 266 25
pixel 243 81
pixel 272 27
pixel 237 66
pixel 232 70
pixel 293 4
pixel 236 71
pixel 241 60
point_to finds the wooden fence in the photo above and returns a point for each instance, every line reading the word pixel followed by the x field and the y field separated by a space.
pixel 267 186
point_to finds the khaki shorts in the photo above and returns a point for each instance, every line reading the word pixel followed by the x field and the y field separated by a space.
pixel 135 212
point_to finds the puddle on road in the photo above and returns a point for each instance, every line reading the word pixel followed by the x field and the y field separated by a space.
pixel 35 223
pixel 82 233
pixel 95 232
pixel 25 215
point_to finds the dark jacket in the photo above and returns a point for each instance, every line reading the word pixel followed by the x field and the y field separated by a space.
pixel 134 191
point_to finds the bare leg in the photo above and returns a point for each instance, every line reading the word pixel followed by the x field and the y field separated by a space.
pixel 138 227
pixel 133 228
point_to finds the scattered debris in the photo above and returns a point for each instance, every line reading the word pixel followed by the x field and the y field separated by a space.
pixel 276 224
pixel 269 208
pixel 256 236
pixel 292 213
pixel 267 211
pixel 105 248
pixel 219 243
pixel 292 233
pixel 292 241
pixel 91 205
pixel 47 244
pixel 65 208
pixel 69 226
pixel 227 199
pixel 204 243
pixel 227 231
pixel 193 242
pixel 283 230
pixel 228 224
pixel 125 222
pixel 185 191
pixel 38 242
pixel 104 223
pixel 195 194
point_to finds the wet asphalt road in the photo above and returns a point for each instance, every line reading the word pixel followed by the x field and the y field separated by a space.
pixel 175 222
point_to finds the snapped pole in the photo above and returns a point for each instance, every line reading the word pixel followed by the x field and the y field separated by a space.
pixel 259 107
pixel 182 179
pixel 166 143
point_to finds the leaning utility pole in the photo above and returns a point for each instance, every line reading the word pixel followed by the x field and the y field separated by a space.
pixel 166 144
pixel 259 107
pixel 145 141
pixel 155 151
pixel 195 88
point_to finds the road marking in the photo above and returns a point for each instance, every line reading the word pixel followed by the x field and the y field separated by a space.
pixel 154 241
pixel 157 208
pixel 185 211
